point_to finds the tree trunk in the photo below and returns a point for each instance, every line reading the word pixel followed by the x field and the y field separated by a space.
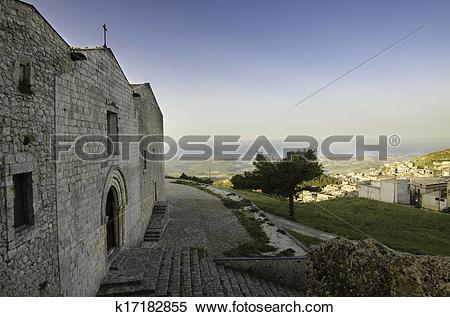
pixel 291 206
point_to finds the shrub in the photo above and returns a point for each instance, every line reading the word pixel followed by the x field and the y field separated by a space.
pixel 196 179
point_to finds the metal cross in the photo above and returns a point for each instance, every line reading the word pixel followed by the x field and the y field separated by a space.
pixel 104 35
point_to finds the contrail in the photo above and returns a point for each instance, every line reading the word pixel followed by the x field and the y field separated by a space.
pixel 363 63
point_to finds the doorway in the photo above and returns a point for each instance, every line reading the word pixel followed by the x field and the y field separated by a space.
pixel 112 220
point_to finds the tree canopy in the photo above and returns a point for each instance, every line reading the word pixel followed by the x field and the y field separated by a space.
pixel 281 177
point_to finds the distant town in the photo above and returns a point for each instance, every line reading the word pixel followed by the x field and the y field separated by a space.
pixel 421 182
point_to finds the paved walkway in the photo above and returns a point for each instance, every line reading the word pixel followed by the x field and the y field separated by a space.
pixel 200 220
pixel 294 226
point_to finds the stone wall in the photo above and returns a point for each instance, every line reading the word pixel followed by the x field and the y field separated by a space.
pixel 29 257
pixel 341 267
pixel 150 123
pixel 83 97
pixel 64 251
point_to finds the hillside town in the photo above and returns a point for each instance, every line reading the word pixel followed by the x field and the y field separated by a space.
pixel 406 183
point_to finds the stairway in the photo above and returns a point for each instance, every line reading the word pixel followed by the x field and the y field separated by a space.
pixel 175 271
pixel 157 223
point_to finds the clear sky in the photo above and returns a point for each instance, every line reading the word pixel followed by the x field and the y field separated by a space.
pixel 239 66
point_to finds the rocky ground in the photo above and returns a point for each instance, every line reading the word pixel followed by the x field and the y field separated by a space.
pixel 341 267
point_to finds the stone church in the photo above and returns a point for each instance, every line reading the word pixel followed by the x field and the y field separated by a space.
pixel 62 219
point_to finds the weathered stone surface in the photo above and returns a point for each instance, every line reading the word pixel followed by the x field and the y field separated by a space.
pixel 200 220
pixel 64 251
pixel 183 272
pixel 28 258
pixel 342 267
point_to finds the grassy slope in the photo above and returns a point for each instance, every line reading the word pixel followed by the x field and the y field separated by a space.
pixel 399 227
pixel 428 159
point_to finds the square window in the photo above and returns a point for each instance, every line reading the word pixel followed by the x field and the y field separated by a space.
pixel 23 200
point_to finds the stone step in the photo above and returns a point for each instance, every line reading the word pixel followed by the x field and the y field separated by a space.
pixel 266 287
pixel 233 282
pixel 175 274
pixel 227 291
pixel 160 209
pixel 127 274
pixel 118 261
pixel 157 221
pixel 250 285
pixel 186 283
pixel 130 271
pixel 153 233
pixel 215 280
pixel 176 271
pixel 283 291
pixel 162 284
pixel 242 285
pixel 273 288
pixel 259 289
pixel 289 293
pixel 160 203
pixel 151 239
pixel 207 288
pixel 122 291
pixel 152 269
pixel 196 280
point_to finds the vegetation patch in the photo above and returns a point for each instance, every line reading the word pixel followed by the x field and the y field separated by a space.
pixel 259 243
pixel 429 159
pixel 196 179
pixel 287 252
pixel 235 204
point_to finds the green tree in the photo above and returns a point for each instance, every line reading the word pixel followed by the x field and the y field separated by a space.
pixel 282 177
pixel 295 168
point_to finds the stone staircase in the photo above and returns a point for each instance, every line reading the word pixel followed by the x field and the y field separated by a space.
pixel 175 271
pixel 158 222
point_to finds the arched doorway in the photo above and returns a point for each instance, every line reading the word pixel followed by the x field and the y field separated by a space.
pixel 114 204
pixel 112 220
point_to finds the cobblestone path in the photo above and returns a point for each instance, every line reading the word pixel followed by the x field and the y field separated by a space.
pixel 200 220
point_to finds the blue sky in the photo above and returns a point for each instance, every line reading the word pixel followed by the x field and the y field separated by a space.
pixel 239 66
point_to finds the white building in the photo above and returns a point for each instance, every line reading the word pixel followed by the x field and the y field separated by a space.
pixel 389 190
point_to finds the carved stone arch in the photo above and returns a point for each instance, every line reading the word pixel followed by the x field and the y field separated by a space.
pixel 115 199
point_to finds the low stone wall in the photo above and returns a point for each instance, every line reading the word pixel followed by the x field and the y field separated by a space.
pixel 286 271
pixel 342 267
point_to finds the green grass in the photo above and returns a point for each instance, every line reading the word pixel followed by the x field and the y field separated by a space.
pixel 399 227
pixel 306 240
pixel 259 243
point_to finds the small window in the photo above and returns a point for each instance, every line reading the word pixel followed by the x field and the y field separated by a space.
pixel 23 200
pixel 112 131
pixel 144 155
pixel 25 77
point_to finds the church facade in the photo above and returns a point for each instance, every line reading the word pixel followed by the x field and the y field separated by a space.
pixel 63 218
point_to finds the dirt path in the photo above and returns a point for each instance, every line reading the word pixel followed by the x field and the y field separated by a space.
pixel 281 222
pixel 294 226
